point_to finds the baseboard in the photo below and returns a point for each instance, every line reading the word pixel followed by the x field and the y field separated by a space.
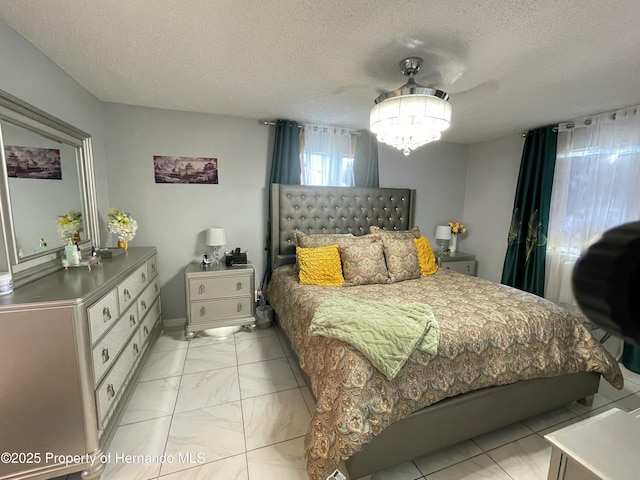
pixel 174 322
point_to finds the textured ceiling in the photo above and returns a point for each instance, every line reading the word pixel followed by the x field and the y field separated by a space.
pixel 509 65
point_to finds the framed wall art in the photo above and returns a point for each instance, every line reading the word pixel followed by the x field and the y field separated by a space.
pixel 33 162
pixel 185 169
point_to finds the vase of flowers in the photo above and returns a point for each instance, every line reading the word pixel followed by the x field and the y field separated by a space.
pixel 456 229
pixel 123 225
pixel 70 226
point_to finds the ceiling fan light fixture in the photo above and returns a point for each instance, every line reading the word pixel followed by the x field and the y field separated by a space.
pixel 411 116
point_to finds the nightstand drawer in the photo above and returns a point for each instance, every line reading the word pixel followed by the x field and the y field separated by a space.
pixel 220 309
pixel 468 267
pixel 219 287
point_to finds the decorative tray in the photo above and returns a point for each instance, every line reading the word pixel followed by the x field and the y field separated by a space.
pixel 87 262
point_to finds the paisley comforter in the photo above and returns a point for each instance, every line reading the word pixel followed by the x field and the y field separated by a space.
pixel 490 334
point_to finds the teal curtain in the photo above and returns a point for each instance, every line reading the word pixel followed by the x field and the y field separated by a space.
pixel 524 262
pixel 285 160
pixel 631 357
pixel 285 168
pixel 365 161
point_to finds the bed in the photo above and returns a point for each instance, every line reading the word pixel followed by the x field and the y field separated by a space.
pixel 504 355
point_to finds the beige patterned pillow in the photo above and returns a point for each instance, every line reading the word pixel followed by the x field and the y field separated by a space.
pixel 401 256
pixel 413 233
pixel 325 239
pixel 364 264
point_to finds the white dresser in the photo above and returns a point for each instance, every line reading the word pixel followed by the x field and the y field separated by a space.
pixel 76 341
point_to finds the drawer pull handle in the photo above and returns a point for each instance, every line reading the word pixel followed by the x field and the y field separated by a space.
pixel 144 277
pixel 145 330
pixel 239 307
pixel 468 268
pixel 105 355
pixel 132 320
pixel 111 392
pixel 203 311
pixel 135 349
pixel 153 267
pixel 155 287
pixel 201 289
pixel 143 304
pixel 126 294
pixel 106 314
pixel 239 286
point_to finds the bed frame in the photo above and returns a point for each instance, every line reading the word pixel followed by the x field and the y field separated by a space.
pixel 313 209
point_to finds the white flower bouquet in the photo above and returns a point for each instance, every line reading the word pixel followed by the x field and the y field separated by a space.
pixel 70 224
pixel 121 224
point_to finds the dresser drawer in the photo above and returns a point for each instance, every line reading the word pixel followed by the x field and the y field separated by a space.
pixel 152 267
pixel 106 351
pixel 220 309
pixel 147 298
pixel 149 322
pixel 102 315
pixel 467 266
pixel 113 384
pixel 220 287
pixel 132 286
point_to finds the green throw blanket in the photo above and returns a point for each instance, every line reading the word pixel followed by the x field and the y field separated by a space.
pixel 386 333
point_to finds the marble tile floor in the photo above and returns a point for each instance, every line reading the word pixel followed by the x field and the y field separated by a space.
pixel 237 408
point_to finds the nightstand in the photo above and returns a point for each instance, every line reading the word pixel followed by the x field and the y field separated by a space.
pixel 219 296
pixel 600 447
pixel 460 262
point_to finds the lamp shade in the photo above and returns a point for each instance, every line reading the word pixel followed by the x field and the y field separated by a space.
pixel 216 237
pixel 443 232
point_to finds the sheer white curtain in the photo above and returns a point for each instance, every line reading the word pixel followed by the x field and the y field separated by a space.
pixel 596 186
pixel 327 156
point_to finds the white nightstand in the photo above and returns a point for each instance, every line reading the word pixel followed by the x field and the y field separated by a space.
pixel 604 447
pixel 219 296
pixel 459 262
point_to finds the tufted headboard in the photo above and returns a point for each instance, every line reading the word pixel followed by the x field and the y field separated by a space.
pixel 314 209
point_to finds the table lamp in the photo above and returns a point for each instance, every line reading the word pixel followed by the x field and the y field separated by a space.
pixel 216 239
pixel 443 233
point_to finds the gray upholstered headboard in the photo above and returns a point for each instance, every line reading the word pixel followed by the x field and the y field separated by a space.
pixel 313 209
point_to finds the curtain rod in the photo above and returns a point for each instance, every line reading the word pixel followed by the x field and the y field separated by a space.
pixel 588 121
pixel 524 134
pixel 353 132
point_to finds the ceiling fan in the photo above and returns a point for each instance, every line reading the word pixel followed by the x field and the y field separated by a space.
pixel 410 116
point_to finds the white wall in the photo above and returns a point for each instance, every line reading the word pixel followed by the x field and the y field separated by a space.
pixel 438 172
pixel 173 217
pixel 492 176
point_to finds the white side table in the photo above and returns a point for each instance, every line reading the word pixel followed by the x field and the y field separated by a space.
pixel 604 447
pixel 219 296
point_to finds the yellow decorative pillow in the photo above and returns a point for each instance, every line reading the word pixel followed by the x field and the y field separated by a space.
pixel 426 257
pixel 320 266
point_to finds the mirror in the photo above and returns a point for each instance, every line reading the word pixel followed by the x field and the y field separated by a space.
pixel 46 174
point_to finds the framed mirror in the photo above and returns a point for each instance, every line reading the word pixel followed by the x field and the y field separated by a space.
pixel 47 190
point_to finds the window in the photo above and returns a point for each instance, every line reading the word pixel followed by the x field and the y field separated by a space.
pixel 327 156
pixel 595 188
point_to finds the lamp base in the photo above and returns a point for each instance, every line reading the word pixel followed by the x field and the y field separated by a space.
pixel 211 260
